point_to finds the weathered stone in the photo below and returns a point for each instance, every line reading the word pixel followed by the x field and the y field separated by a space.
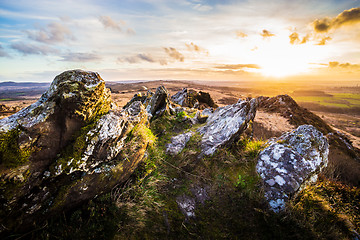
pixel 73 145
pixel 185 98
pixel 160 103
pixel 290 162
pixel 226 124
pixel 188 204
pixel 191 98
pixel 178 143
pixel 143 98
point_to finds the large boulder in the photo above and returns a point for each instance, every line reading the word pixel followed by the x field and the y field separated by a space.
pixel 290 162
pixel 66 148
pixel 226 124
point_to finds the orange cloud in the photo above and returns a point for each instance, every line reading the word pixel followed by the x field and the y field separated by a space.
pixel 240 34
pixel 294 38
pixel 347 17
pixel 266 34
pixel 323 40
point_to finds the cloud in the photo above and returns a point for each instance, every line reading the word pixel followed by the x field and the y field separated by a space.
pixel 80 57
pixel 347 17
pixel 196 48
pixel 266 34
pixel 3 53
pixel 347 66
pixel 323 40
pixel 108 22
pixel 27 48
pixel 130 31
pixel 240 34
pixel 142 57
pixel 294 38
pixel 237 66
pixel 146 57
pixel 305 39
pixel 172 52
pixel 53 33
pixel 202 8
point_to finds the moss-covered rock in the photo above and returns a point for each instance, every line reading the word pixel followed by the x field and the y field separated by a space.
pixel 67 148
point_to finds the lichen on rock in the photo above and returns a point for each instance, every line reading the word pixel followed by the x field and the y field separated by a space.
pixel 66 148
pixel 290 162
pixel 226 124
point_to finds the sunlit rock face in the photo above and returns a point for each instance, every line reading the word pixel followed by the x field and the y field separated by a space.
pixel 70 146
pixel 226 124
pixel 290 162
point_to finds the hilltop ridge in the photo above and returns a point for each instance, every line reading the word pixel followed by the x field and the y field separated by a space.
pixel 172 166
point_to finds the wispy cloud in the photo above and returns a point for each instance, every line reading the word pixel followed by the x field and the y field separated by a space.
pixel 53 33
pixel 347 66
pixel 31 49
pixel 175 54
pixel 196 48
pixel 3 53
pixel 80 57
pixel 108 22
pixel 266 34
pixel 347 17
pixel 142 57
pixel 237 66
pixel 240 34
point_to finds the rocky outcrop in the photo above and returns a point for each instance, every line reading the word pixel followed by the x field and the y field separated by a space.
pixel 289 109
pixel 70 146
pixel 159 103
pixel 290 162
pixel 191 98
pixel 143 98
pixel 178 143
pixel 226 124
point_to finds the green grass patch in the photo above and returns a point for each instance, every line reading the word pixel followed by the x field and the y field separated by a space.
pixel 340 100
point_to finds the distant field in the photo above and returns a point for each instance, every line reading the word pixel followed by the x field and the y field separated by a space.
pixel 338 100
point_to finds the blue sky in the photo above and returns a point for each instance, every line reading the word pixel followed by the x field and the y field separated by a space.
pixel 190 39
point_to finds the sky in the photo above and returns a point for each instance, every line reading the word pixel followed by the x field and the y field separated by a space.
pixel 214 40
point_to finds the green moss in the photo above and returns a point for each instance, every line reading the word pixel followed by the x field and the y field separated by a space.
pixel 11 155
pixel 143 132
pixel 71 156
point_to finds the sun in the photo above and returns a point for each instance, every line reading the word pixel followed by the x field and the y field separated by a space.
pixel 281 59
pixel 278 58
